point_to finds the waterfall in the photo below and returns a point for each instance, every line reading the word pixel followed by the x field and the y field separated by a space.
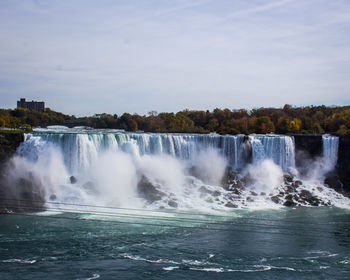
pixel 278 148
pixel 80 149
pixel 162 170
pixel 330 151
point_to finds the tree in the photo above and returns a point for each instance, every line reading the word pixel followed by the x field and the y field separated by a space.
pixel 294 126
pixel 32 120
pixel 2 122
pixel 212 125
pixel 342 130
pixel 265 125
pixel 132 125
pixel 282 125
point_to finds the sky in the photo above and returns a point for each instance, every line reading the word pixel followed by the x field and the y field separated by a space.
pixel 92 56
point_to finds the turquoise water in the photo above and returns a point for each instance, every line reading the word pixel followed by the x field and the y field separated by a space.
pixel 302 243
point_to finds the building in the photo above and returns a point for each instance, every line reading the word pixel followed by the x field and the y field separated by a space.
pixel 31 105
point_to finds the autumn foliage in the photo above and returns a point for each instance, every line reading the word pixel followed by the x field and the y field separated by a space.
pixel 286 120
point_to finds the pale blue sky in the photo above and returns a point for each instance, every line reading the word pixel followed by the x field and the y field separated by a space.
pixel 84 57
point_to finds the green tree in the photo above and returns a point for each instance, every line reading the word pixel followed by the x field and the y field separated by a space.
pixel 265 125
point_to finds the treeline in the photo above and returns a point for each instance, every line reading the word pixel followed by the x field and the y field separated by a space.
pixel 286 120
pixel 26 119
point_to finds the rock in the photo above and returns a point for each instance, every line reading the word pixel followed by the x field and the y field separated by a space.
pixel 231 205
pixel 306 196
pixel 23 194
pixel 253 193
pixel 216 193
pixel 263 193
pixel 53 197
pixel 248 179
pixel 289 188
pixel 249 199
pixel 172 203
pixel 334 182
pixel 228 178
pixel 72 179
pixel 148 191
pixel 289 203
pixel 275 199
pixel 236 185
pixel 203 190
pixel 298 183
pixel 236 191
pixel 288 178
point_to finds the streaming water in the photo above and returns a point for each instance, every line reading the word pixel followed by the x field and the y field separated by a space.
pixel 330 150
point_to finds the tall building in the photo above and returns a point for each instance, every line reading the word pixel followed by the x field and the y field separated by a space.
pixel 31 105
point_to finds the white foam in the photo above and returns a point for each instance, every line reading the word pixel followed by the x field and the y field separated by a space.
pixel 170 268
pixel 24 261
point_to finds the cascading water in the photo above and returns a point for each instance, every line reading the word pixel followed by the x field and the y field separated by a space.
pixel 116 168
pixel 276 147
pixel 80 149
pixel 330 151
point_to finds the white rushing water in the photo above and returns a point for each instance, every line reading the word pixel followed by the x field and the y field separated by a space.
pixel 278 148
pixel 80 149
pixel 117 168
pixel 330 151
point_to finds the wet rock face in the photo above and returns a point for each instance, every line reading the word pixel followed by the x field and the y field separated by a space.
pixel 22 195
pixel 333 181
pixel 231 205
pixel 148 190
pixel 73 179
pixel 9 142
pixel 343 165
pixel 287 178
pixel 291 193
pixel 172 203
pixel 289 203
pixel 275 199
pixel 308 197
pixel 310 145
pixel 228 179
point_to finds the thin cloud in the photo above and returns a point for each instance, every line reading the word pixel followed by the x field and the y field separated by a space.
pixel 258 9
pixel 127 56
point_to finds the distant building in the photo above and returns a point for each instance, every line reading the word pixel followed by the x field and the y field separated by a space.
pixel 31 105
